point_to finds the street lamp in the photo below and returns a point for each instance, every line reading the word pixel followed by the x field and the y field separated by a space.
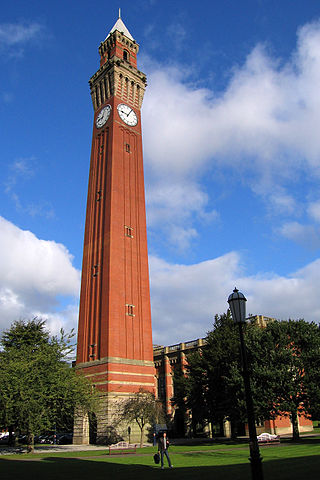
pixel 237 303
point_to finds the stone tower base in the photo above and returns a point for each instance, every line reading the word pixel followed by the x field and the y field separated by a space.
pixel 109 427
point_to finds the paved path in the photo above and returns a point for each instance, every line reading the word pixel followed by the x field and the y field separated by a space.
pixel 52 448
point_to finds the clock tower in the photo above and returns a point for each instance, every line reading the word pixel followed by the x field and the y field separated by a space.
pixel 114 334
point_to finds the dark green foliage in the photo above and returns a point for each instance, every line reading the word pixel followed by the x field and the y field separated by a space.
pixel 38 388
pixel 179 400
pixel 284 364
pixel 285 359
pixel 215 384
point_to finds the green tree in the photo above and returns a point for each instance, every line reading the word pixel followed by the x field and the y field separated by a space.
pixel 285 359
pixel 284 366
pixel 196 392
pixel 38 388
pixel 179 400
pixel 214 384
pixel 142 408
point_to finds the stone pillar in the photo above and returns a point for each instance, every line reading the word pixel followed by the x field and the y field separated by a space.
pixel 227 428
pixel 168 382
pixel 81 428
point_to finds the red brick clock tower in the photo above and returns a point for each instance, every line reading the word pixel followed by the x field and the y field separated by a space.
pixel 114 335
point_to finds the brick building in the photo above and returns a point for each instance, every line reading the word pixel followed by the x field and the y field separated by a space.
pixel 167 358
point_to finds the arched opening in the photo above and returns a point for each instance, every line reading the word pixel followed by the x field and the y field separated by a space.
pixel 125 55
pixel 92 428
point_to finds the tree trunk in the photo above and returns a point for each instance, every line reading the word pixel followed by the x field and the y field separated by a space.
pixel 30 443
pixel 295 426
pixel 141 438
pixel 212 428
pixel 221 427
pixel 12 438
pixel 233 430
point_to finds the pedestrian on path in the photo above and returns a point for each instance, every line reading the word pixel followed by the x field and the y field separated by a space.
pixel 163 445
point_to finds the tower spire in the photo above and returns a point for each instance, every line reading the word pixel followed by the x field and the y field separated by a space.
pixel 120 26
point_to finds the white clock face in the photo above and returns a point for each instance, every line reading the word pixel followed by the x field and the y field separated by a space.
pixel 127 115
pixel 103 116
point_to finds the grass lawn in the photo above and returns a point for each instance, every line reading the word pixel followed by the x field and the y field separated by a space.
pixel 218 461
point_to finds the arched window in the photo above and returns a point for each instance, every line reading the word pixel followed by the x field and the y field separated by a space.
pixel 125 56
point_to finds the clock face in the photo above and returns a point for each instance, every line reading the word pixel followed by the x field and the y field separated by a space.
pixel 127 115
pixel 103 116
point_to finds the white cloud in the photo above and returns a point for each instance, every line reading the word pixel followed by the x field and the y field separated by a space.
pixel 172 204
pixel 283 203
pixel 18 33
pixel 262 128
pixel 20 171
pixel 35 274
pixel 306 235
pixel 185 298
pixel 314 210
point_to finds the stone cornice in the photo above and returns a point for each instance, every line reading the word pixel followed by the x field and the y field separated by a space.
pixel 118 360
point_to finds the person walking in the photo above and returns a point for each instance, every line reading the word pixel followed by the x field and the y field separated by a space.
pixel 163 445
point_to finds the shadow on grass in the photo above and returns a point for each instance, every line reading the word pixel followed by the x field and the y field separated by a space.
pixel 53 468
pixel 303 440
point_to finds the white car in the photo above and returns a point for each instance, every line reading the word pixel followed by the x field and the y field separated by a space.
pixel 268 437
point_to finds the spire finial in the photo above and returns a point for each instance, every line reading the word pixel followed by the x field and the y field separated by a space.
pixel 119 12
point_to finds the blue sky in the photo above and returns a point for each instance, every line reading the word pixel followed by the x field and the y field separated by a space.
pixel 231 151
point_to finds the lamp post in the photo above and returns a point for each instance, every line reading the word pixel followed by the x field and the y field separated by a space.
pixel 237 303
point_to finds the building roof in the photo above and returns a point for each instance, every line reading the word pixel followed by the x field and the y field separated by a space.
pixel 120 26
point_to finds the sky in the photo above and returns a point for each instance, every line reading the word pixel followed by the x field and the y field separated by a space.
pixel 231 141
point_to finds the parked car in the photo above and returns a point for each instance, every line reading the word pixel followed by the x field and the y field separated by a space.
pixel 268 438
pixel 4 438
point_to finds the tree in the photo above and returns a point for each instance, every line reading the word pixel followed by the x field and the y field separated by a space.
pixel 179 400
pixel 214 386
pixel 284 365
pixel 143 408
pixel 285 359
pixel 39 391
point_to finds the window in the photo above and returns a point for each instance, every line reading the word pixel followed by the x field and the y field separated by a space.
pixel 161 387
pixel 127 148
pixel 128 231
pixel 125 55
pixel 129 310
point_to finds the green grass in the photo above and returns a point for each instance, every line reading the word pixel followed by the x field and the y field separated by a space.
pixel 218 461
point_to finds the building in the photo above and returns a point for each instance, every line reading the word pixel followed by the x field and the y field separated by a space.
pixel 168 358
pixel 114 333
pixel 165 360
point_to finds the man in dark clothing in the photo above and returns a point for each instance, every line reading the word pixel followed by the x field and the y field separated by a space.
pixel 163 445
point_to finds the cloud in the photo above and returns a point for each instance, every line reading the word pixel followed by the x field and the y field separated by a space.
pixel 36 278
pixel 303 234
pixel 23 169
pixel 15 36
pixel 260 129
pixel 185 298
pixel 172 204
pixel 178 34
pixel 15 33
pixel 314 210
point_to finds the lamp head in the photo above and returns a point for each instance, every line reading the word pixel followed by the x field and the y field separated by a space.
pixel 237 303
